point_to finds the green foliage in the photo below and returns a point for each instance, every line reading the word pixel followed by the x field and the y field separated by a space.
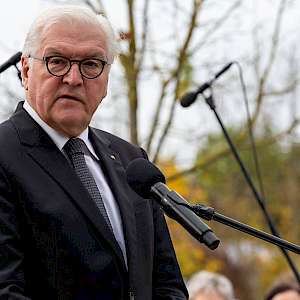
pixel 228 192
pixel 185 78
pixel 221 185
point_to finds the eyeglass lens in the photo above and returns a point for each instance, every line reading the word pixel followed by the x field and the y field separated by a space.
pixel 60 66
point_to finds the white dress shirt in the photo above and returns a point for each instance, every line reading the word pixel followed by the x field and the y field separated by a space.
pixel 91 159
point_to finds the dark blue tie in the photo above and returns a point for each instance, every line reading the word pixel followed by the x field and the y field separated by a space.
pixel 75 151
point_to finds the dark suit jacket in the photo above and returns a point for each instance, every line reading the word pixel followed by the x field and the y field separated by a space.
pixel 53 242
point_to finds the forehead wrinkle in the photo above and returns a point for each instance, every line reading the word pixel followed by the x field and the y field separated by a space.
pixel 70 41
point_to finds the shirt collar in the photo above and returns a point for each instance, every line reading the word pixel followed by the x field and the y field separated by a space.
pixel 58 138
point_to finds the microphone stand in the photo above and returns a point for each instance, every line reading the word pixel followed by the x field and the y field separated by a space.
pixel 210 101
pixel 209 213
pixel 12 61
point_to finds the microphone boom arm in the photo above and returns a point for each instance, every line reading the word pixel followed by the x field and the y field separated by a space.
pixel 12 61
pixel 208 213
pixel 191 97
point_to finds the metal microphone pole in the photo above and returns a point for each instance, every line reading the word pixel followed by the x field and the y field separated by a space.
pixel 210 101
pixel 12 61
pixel 208 213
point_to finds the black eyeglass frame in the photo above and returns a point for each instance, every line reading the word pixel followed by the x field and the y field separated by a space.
pixel 71 61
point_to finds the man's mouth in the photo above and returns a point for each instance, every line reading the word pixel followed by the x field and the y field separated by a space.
pixel 70 97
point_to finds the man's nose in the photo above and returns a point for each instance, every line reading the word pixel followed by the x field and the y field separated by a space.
pixel 73 77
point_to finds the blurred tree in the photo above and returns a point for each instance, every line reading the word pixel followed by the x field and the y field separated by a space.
pixel 226 191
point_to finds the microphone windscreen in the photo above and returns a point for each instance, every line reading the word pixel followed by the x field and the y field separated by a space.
pixel 142 175
pixel 188 99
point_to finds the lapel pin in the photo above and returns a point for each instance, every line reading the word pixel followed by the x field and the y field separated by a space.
pixel 112 157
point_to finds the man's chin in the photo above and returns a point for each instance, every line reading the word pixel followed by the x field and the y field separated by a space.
pixel 71 126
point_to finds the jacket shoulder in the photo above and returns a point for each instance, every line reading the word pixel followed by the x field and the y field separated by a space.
pixel 121 146
pixel 8 134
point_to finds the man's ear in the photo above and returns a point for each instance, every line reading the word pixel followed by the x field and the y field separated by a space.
pixel 106 82
pixel 25 71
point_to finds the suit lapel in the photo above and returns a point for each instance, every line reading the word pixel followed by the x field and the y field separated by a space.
pixel 115 172
pixel 42 149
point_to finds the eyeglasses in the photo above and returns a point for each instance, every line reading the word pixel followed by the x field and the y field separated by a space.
pixel 59 65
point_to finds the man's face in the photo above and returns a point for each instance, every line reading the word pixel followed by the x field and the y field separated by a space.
pixel 66 103
pixel 208 296
pixel 288 295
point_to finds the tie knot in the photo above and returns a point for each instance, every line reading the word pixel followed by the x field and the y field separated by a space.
pixel 73 146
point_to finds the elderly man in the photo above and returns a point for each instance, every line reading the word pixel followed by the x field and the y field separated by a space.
pixel 70 226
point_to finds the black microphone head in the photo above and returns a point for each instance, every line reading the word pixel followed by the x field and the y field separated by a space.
pixel 142 175
pixel 17 57
pixel 188 99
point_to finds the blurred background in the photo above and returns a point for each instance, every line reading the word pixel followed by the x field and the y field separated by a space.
pixel 168 48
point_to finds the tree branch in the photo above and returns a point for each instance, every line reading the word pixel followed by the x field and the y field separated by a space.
pixel 128 61
pixel 285 90
pixel 144 35
pixel 226 152
pixel 273 51
pixel 216 26
pixel 176 75
pixel 157 114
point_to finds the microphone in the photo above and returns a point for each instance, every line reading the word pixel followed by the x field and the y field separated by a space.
pixel 13 60
pixel 148 182
pixel 189 98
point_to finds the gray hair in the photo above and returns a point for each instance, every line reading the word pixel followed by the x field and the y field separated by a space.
pixel 208 282
pixel 71 14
